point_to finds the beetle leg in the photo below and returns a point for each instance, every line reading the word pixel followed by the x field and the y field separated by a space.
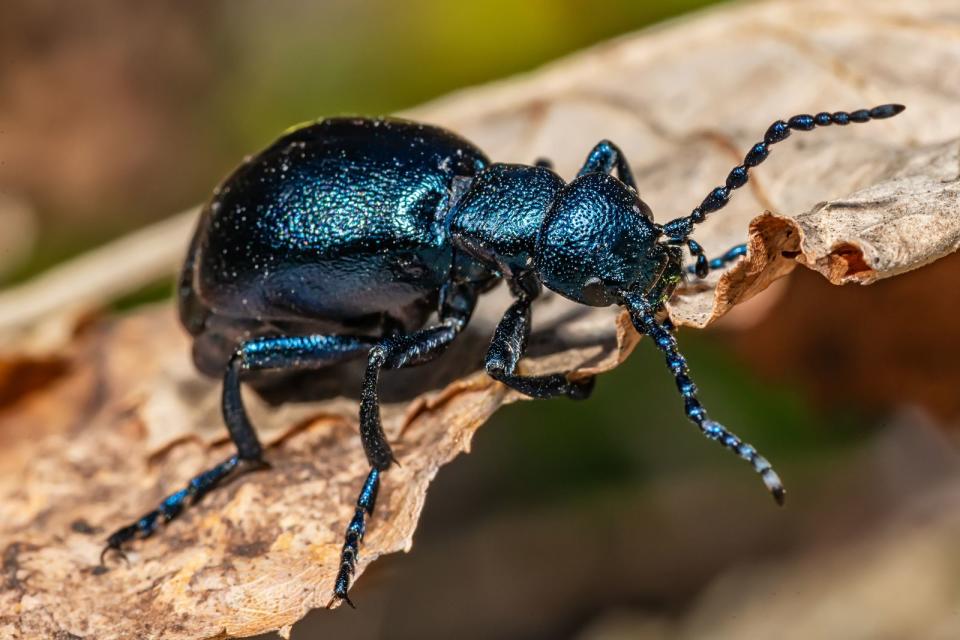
pixel 721 261
pixel 507 347
pixel 545 163
pixel 393 352
pixel 604 158
pixel 284 352
pixel 643 317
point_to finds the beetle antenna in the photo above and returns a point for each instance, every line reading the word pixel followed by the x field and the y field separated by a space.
pixel 679 229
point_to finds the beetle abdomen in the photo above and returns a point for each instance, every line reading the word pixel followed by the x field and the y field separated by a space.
pixel 339 219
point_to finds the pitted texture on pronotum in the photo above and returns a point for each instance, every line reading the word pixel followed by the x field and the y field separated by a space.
pixel 340 239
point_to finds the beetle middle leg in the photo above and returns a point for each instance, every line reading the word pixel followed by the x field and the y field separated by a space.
pixel 456 305
pixel 507 348
pixel 283 352
pixel 604 158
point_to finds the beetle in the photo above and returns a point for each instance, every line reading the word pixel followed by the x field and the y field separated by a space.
pixel 341 238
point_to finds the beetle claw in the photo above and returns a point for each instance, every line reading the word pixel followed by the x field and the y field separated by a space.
pixel 107 549
pixel 343 598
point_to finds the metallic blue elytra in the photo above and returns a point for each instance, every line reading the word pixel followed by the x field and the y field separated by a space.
pixel 332 226
pixel 340 239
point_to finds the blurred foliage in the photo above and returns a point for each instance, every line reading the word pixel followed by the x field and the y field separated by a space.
pixel 379 57
pixel 633 429
pixel 117 114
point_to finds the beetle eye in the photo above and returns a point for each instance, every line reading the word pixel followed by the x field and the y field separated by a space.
pixel 644 209
pixel 595 293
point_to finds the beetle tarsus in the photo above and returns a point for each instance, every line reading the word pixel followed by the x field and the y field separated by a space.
pixel 356 530
pixel 115 549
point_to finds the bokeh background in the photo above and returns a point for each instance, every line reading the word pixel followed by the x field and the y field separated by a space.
pixel 600 520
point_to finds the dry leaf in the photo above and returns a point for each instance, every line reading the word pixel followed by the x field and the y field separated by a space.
pixel 109 415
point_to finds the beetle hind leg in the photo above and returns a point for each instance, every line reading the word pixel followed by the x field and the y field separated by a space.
pixel 284 352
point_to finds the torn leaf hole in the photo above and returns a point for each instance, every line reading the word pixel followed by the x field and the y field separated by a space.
pixel 846 261
pixel 20 378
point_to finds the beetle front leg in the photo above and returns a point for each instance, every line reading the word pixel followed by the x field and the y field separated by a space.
pixel 604 158
pixel 507 348
pixel 284 352
pixel 643 317
pixel 394 352
pixel 720 261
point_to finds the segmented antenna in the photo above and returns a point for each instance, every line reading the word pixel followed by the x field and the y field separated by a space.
pixel 679 229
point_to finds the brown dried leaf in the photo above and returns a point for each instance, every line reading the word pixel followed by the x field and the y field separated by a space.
pixel 100 420
pixel 255 556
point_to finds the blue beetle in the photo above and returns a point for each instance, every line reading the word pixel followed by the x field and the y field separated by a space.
pixel 340 239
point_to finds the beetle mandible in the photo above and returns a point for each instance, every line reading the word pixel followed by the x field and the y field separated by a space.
pixel 341 238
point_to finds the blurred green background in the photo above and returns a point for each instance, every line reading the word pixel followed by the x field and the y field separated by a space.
pixel 604 519
pixel 114 114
